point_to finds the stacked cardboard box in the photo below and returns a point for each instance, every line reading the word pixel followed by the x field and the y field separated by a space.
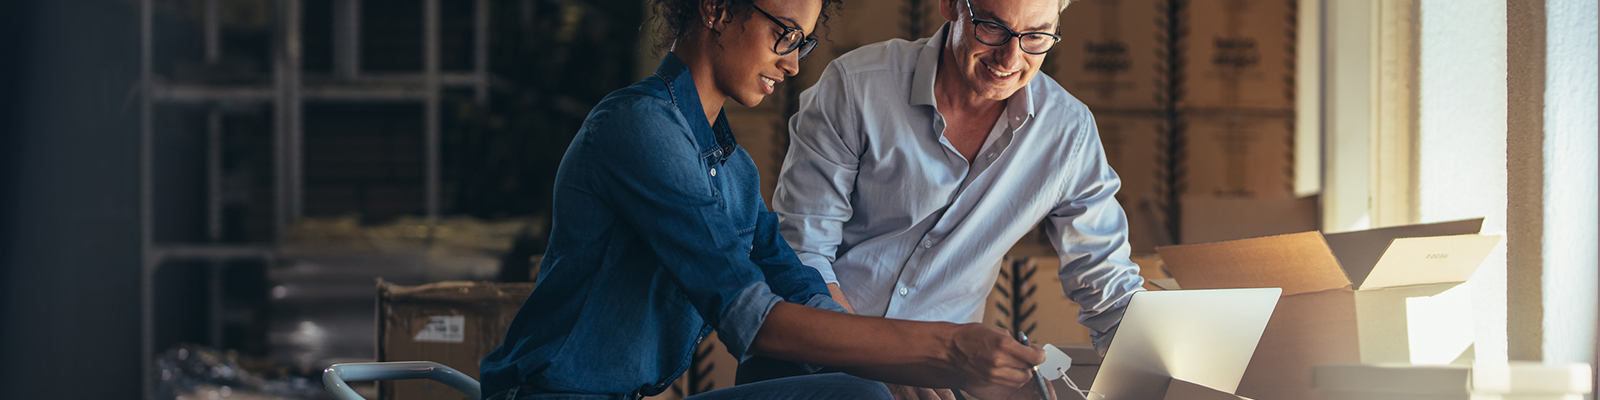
pixel 451 323
pixel 1195 101
pixel 1028 296
pixel 1393 295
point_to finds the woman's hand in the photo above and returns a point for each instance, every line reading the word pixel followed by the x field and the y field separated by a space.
pixel 988 355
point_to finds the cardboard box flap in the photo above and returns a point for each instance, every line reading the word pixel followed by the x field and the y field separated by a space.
pixel 1359 251
pixel 1297 262
pixel 1179 389
pixel 458 291
pixel 1427 260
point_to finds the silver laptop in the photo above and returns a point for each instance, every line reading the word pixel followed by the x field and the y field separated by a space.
pixel 1205 337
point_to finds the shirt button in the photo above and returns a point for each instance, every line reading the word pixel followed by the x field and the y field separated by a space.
pixel 926 243
pixel 903 291
pixel 713 172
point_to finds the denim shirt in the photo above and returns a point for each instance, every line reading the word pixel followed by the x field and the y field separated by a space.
pixel 660 235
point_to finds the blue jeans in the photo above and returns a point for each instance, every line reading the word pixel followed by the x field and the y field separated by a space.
pixel 805 387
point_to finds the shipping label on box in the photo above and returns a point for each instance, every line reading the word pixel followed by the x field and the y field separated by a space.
pixel 451 323
pixel 1108 54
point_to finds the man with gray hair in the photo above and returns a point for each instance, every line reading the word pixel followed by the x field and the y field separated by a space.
pixel 914 166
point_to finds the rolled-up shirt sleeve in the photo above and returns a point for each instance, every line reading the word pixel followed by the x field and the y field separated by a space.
pixel 664 192
pixel 1090 232
pixel 812 198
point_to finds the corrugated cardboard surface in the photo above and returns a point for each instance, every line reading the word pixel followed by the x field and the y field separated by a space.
pixel 1423 324
pixel 1359 251
pixel 1131 147
pixel 1240 154
pixel 1315 322
pixel 1305 330
pixel 1211 219
pixel 1107 56
pixel 1050 316
pixel 1298 263
pixel 486 310
pixel 1180 389
pixel 1054 318
pixel 1240 54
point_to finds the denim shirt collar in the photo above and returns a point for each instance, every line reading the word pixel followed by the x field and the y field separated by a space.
pixel 927 69
pixel 716 140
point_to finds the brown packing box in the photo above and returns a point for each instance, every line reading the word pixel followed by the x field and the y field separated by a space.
pixel 1210 219
pixel 1240 54
pixel 1180 389
pixel 1239 154
pixel 451 323
pixel 1321 318
pixel 1132 150
pixel 1107 56
pixel 1055 317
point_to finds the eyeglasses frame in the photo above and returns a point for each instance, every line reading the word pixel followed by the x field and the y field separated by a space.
pixel 806 42
pixel 1010 33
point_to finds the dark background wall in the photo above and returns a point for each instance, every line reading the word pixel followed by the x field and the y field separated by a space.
pixel 69 294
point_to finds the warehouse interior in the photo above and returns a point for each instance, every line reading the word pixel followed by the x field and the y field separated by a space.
pixel 221 198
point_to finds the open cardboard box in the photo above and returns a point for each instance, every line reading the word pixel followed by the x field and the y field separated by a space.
pixel 1391 295
pixel 1179 389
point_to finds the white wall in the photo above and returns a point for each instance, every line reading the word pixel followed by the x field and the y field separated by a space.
pixel 1348 121
pixel 1462 140
pixel 1572 181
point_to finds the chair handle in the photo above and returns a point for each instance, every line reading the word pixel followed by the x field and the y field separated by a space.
pixel 335 376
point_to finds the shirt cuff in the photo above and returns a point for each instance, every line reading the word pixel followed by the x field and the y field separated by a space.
pixel 819 263
pixel 743 318
pixel 825 302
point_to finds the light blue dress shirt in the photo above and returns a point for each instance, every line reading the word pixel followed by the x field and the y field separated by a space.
pixel 875 198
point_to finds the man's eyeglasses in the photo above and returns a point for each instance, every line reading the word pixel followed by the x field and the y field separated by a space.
pixel 994 34
pixel 792 39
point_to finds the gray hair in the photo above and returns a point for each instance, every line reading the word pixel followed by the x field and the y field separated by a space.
pixel 1064 4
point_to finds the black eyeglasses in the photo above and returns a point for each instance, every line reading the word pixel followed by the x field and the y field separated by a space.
pixel 792 38
pixel 994 34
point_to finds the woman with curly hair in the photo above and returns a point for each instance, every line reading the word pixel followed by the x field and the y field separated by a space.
pixel 661 236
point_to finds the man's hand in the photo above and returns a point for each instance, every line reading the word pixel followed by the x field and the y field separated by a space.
pixel 838 297
pixel 917 393
pixel 989 356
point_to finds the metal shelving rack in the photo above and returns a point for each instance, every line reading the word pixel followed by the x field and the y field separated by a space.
pixel 286 92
